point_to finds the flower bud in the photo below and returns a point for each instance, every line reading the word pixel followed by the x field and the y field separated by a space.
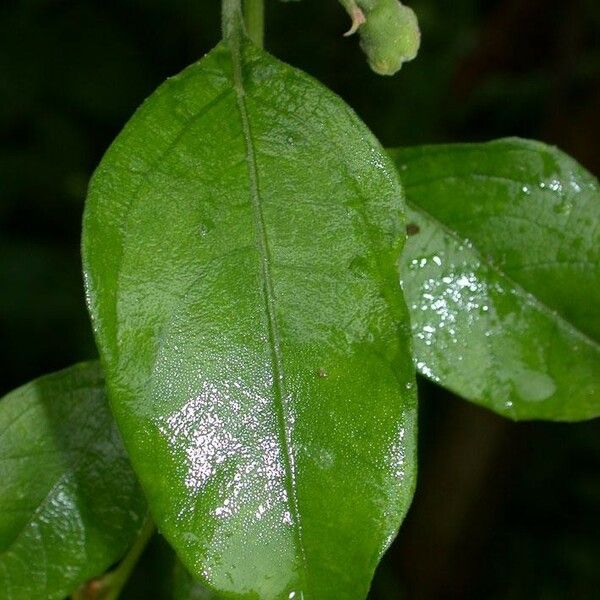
pixel 390 35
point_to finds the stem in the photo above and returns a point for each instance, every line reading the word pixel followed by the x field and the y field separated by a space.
pixel 118 578
pixel 232 19
pixel 254 16
pixel 249 22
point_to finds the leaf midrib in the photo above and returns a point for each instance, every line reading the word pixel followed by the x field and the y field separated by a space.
pixel 262 241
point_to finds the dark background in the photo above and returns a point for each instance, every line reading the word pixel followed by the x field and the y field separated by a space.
pixel 502 510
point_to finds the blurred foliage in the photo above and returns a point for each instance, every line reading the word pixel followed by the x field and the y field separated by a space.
pixel 502 511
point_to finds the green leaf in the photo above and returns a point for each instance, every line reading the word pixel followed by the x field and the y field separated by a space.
pixel 502 276
pixel 240 247
pixel 69 502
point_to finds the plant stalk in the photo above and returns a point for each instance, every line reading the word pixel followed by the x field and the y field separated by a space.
pixel 118 578
pixel 110 585
pixel 254 17
pixel 232 19
pixel 249 21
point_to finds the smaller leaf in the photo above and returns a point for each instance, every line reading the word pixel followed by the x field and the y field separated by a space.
pixel 502 275
pixel 70 504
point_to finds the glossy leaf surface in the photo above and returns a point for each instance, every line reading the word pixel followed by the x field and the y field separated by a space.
pixel 502 275
pixel 240 247
pixel 70 504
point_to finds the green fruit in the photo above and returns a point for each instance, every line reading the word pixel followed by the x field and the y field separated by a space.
pixel 390 36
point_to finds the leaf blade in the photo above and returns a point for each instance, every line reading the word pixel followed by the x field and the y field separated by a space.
pixel 490 320
pixel 69 502
pixel 248 294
